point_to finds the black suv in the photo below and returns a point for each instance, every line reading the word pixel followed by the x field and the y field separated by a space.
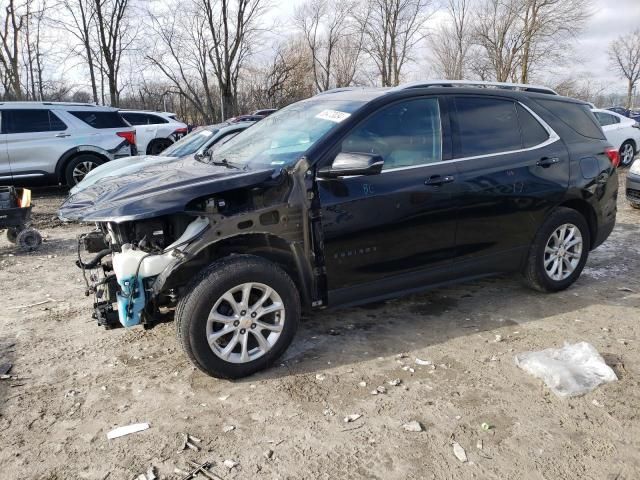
pixel 348 197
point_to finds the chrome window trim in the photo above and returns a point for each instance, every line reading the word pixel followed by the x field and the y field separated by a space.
pixel 553 137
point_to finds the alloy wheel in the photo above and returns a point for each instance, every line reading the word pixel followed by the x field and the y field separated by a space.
pixel 627 154
pixel 563 252
pixel 245 323
pixel 80 171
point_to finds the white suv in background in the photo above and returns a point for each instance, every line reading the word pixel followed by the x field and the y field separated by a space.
pixel 622 132
pixel 59 143
pixel 155 131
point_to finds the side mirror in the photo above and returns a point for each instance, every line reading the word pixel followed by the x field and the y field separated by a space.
pixel 352 164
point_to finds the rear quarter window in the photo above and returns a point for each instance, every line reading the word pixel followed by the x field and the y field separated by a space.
pixel 100 119
pixel 576 116
pixel 532 132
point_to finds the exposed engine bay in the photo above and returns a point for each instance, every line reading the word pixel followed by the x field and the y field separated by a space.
pixel 139 266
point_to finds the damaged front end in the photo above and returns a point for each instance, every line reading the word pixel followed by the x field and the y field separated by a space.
pixel 159 229
pixel 128 259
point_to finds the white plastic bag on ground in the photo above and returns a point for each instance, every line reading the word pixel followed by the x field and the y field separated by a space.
pixel 568 371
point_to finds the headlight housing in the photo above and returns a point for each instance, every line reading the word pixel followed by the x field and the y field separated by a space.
pixel 635 167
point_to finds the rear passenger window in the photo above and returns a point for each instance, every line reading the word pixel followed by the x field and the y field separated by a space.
pixel 404 134
pixel 577 116
pixel 100 119
pixel 31 121
pixel 606 119
pixel 532 132
pixel 487 125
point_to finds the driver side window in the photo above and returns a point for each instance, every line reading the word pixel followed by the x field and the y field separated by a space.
pixel 405 134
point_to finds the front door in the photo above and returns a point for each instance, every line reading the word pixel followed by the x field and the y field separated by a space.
pixel 380 231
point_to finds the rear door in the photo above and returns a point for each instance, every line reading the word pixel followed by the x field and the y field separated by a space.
pixel 35 140
pixel 512 169
pixel 382 231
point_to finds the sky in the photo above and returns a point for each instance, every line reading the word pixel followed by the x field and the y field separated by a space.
pixel 589 59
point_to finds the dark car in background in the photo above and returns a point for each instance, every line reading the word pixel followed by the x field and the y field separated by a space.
pixel 345 198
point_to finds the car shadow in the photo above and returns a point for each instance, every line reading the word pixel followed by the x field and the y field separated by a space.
pixel 325 340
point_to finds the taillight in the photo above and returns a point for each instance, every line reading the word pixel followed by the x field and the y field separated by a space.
pixel 614 156
pixel 180 131
pixel 128 136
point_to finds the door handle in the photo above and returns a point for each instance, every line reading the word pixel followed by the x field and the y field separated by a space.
pixel 62 135
pixel 437 180
pixel 546 162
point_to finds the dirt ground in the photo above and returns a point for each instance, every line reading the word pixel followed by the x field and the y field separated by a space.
pixel 75 381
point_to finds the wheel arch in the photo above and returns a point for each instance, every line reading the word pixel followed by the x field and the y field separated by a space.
pixel 271 247
pixel 70 154
pixel 156 140
pixel 588 212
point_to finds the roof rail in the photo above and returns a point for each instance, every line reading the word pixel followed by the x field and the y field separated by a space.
pixel 525 87
pixel 336 90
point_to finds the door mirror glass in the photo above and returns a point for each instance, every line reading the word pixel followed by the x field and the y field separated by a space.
pixel 352 164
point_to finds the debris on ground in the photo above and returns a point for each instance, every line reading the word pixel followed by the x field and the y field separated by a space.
pixel 320 376
pixel 362 384
pixel 572 370
pixel 485 426
pixel 459 452
pixel 5 368
pixel 127 430
pixel 423 362
pixel 150 475
pixel 413 426
pixel 379 389
pixel 479 444
pixel 228 428
pixel 352 418
pixel 230 464
pixel 395 382
pixel 190 442
pixel 268 454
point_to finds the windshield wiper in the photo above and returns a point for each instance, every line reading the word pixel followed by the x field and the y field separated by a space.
pixel 225 163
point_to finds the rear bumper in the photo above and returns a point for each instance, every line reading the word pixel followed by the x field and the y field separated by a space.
pixel 633 188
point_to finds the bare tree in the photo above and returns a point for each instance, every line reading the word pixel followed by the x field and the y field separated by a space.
pixel 624 54
pixel 79 21
pixel 233 26
pixel 180 51
pixel 393 28
pixel 333 38
pixel 11 31
pixel 501 37
pixel 116 34
pixel 453 40
pixel 546 24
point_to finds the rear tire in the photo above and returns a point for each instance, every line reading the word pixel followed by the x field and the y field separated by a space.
pixel 79 166
pixel 158 145
pixel 29 239
pixel 224 298
pixel 627 153
pixel 559 251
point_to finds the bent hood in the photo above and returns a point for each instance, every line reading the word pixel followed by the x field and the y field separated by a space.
pixel 155 190
pixel 118 167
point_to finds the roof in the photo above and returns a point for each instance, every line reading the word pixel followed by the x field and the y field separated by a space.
pixel 56 105
pixel 130 110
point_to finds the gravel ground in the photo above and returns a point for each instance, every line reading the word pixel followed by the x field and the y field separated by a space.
pixel 75 381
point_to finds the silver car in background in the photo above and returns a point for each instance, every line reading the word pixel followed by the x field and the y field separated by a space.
pixel 200 143
pixel 59 143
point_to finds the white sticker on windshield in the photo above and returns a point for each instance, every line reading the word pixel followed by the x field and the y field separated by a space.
pixel 206 133
pixel 333 115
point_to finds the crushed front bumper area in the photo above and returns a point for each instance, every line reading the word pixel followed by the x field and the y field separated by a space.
pixel 121 277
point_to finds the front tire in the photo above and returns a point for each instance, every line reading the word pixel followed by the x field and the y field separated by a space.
pixel 627 153
pixel 238 316
pixel 156 147
pixel 559 251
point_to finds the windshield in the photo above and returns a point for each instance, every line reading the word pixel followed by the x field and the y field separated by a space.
pixel 190 143
pixel 283 137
